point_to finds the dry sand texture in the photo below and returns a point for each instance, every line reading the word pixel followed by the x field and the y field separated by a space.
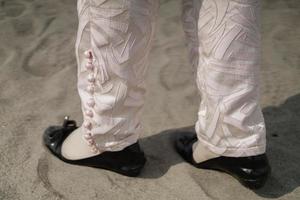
pixel 38 87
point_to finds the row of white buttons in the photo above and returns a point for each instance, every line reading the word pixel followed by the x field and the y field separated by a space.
pixel 91 102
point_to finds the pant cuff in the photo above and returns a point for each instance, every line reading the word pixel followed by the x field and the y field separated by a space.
pixel 118 145
pixel 233 152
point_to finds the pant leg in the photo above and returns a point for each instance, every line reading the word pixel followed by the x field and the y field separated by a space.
pixel 112 48
pixel 230 121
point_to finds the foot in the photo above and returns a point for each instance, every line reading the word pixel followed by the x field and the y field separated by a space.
pixel 201 153
pixel 128 161
pixel 251 171
pixel 82 150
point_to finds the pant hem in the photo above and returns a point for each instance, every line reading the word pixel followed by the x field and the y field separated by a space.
pixel 234 152
pixel 120 145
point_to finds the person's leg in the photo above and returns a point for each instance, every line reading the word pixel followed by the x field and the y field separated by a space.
pixel 230 121
pixel 112 47
pixel 113 43
pixel 190 18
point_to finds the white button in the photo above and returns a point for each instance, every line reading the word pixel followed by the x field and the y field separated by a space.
pixel 87 125
pixel 91 103
pixel 95 150
pixel 88 136
pixel 91 78
pixel 88 54
pixel 91 142
pixel 91 89
pixel 89 113
pixel 89 66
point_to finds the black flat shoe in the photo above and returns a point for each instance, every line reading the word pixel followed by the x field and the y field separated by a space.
pixel 128 162
pixel 251 171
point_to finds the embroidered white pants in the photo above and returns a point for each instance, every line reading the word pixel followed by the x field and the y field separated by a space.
pixel 113 43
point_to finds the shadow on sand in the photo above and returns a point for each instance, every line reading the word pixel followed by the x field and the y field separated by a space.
pixel 283 149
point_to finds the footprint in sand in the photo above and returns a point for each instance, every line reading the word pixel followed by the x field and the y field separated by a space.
pixel 3 55
pixel 51 55
pixel 42 175
pixel 11 8
pixel 23 26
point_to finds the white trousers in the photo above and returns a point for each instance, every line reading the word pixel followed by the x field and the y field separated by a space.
pixel 112 48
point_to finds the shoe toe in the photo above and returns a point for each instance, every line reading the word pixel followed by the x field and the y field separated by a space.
pixel 54 136
pixel 50 134
pixel 184 145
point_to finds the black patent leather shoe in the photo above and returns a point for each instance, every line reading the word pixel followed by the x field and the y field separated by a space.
pixel 251 171
pixel 128 162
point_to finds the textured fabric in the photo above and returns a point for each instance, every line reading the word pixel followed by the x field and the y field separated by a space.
pixel 117 34
pixel 113 43
pixel 230 121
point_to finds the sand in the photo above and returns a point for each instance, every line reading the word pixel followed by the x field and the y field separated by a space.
pixel 38 87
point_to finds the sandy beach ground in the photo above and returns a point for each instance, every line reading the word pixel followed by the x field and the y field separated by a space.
pixel 38 87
